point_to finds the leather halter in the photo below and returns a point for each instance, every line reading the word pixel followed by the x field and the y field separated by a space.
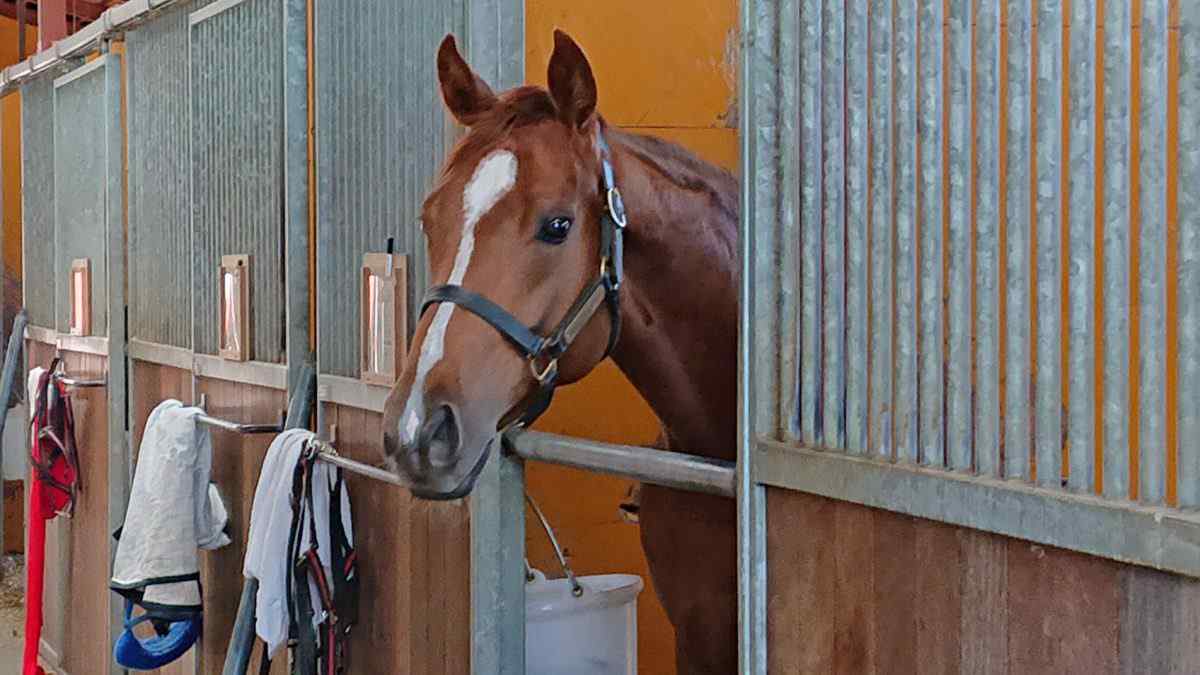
pixel 543 351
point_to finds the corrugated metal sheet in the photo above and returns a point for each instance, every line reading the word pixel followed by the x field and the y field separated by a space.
pixel 160 268
pixel 80 181
pixel 382 136
pixel 1006 173
pixel 37 199
pixel 236 73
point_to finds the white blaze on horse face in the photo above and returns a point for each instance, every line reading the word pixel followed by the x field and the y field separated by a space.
pixel 493 178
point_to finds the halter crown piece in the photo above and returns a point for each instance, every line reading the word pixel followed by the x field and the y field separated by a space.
pixel 543 352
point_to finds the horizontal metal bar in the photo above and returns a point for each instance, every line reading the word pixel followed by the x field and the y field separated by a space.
pixel 82 71
pixel 351 393
pixel 40 334
pixel 1161 538
pixel 84 344
pixel 327 453
pixel 77 383
pixel 111 24
pixel 660 467
pixel 271 375
pixel 239 428
pixel 162 355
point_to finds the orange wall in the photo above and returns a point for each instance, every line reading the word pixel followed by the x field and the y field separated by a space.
pixel 10 145
pixel 663 68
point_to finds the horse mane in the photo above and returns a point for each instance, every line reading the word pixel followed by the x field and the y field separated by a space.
pixel 528 105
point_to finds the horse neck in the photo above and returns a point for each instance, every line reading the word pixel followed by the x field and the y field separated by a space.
pixel 678 343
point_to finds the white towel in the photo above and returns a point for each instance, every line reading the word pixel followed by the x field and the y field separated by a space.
pixel 31 387
pixel 267 556
pixel 173 510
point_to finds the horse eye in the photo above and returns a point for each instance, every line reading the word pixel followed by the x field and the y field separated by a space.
pixel 554 230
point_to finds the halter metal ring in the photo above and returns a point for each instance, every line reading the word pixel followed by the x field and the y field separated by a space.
pixel 616 207
pixel 544 374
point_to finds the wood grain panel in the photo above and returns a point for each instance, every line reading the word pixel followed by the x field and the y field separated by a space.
pixel 87 605
pixel 942 599
pixel 801 570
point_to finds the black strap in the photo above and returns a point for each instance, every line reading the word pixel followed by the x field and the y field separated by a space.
pixel 506 324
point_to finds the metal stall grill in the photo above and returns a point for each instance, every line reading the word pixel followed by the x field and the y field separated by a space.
pixel 236 94
pixel 989 235
pixel 37 207
pixel 382 135
pixel 80 150
pixel 160 246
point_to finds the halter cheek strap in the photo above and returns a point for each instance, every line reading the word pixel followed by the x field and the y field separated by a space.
pixel 543 352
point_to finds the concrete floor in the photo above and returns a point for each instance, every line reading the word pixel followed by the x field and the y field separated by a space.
pixel 12 613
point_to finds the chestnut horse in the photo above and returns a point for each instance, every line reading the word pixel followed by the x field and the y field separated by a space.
pixel 518 217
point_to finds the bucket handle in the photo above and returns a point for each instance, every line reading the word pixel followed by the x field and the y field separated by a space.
pixel 576 588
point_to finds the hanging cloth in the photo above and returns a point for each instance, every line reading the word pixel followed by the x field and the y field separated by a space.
pixel 54 486
pixel 174 510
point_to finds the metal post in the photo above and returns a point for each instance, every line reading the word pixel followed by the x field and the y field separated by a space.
pixel 296 185
pixel 762 27
pixel 120 473
pixel 495 45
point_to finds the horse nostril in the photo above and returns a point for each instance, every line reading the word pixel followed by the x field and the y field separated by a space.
pixel 439 439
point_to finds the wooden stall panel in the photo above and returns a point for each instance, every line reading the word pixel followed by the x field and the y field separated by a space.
pixel 860 590
pixel 414 567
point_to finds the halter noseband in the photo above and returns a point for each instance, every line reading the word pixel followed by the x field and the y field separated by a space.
pixel 543 352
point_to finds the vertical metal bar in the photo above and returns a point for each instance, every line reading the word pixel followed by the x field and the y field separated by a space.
pixel 1048 399
pixel 120 464
pixel 906 400
pixel 811 191
pixel 857 231
pixel 1017 323
pixel 833 214
pixel 1081 268
pixel 768 33
pixel 1153 250
pixel 777 353
pixel 1116 214
pixel 880 198
pixel 495 46
pixel 296 188
pixel 1189 255
pixel 959 435
pixel 987 242
pixel 497 568
pixel 931 350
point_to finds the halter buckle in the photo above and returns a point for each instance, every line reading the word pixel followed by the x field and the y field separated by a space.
pixel 545 374
pixel 616 207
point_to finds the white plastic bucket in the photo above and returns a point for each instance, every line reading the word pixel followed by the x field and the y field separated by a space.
pixel 594 634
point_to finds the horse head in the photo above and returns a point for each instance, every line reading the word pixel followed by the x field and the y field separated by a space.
pixel 515 226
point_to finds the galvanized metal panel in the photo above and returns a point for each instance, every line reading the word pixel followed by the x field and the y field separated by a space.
pixel 1116 212
pixel 906 394
pixel 858 149
pixel 881 225
pixel 811 191
pixel 37 200
pixel 1152 275
pixel 80 152
pixel 160 268
pixel 297 196
pixel 1017 364
pixel 1048 386
pixel 778 189
pixel 382 135
pixel 833 216
pixel 959 421
pixel 1189 255
pixel 987 241
pixel 236 54
pixel 1081 269
pixel 931 352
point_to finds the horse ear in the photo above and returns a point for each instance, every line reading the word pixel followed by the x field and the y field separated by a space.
pixel 572 85
pixel 466 95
